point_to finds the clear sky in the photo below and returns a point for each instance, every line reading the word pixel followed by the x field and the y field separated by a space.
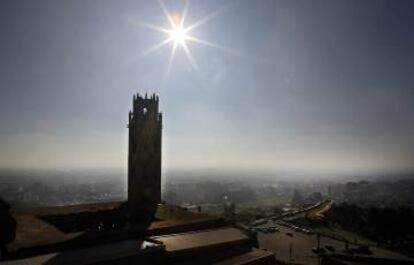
pixel 311 86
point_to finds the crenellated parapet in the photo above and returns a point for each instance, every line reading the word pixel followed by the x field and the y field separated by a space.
pixel 144 106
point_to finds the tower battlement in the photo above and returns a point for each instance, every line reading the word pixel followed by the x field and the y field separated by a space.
pixel 144 106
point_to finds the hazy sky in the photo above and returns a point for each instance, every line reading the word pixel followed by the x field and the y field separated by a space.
pixel 311 86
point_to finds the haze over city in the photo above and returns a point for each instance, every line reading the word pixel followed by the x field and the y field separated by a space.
pixel 301 86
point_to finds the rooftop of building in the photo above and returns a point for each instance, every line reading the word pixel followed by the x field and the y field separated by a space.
pixel 41 230
pixel 175 236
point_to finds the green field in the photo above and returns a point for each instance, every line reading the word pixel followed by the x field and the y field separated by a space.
pixel 337 232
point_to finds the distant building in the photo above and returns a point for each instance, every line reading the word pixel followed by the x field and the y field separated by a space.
pixel 144 157
pixel 297 198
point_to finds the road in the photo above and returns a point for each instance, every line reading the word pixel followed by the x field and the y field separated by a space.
pixel 302 244
pixel 316 209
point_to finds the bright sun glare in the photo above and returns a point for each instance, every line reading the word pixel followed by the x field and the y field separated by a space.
pixel 179 35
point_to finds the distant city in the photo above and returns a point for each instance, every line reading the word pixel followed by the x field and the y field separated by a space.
pixel 23 189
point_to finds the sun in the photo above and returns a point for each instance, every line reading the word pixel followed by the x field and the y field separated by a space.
pixel 178 35
pixel 181 35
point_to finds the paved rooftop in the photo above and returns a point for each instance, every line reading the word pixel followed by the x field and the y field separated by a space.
pixel 201 239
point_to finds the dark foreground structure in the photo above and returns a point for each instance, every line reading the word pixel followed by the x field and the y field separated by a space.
pixel 84 234
pixel 139 231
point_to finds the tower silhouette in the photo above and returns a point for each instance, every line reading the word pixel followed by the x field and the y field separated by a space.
pixel 144 157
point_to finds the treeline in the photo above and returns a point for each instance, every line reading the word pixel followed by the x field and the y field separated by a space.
pixel 392 226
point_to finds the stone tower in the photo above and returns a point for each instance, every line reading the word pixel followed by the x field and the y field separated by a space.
pixel 144 156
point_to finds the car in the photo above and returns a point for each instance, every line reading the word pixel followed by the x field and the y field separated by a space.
pixel 309 232
pixel 258 222
pixel 265 230
pixel 273 229
pixel 318 250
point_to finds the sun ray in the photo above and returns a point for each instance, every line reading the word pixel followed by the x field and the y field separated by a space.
pixel 207 18
pixel 184 14
pixel 170 60
pixel 190 58
pixel 155 47
pixel 151 26
pixel 225 49
pixel 213 45
pixel 166 13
